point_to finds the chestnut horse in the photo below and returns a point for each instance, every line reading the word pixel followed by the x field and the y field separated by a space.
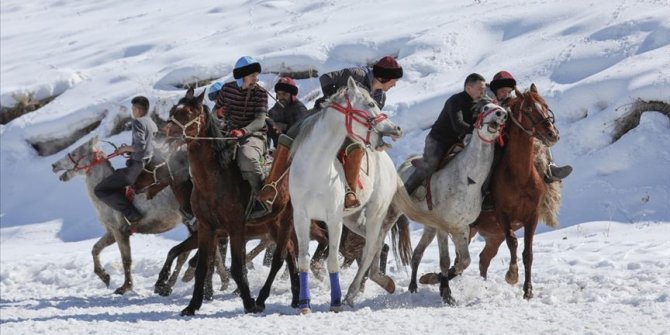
pixel 518 186
pixel 219 202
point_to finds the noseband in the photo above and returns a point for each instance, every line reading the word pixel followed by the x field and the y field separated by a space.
pixel 359 116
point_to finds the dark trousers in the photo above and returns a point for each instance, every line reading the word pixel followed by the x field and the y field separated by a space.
pixel 433 152
pixel 111 190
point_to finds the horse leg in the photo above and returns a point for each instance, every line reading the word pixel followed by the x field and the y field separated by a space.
pixel 512 275
pixel 208 293
pixel 316 264
pixel 373 242
pixel 181 259
pixel 162 287
pixel 123 241
pixel 529 233
pixel 190 270
pixel 461 242
pixel 490 250
pixel 277 262
pixel 262 245
pixel 224 273
pixel 427 237
pixel 220 266
pixel 375 268
pixel 105 241
pixel 334 235
pixel 445 263
pixel 301 225
pixel 205 242
pixel 238 260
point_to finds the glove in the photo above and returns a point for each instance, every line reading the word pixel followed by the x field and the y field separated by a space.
pixel 237 132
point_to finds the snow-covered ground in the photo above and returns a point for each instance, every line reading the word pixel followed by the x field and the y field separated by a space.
pixel 592 278
pixel 605 271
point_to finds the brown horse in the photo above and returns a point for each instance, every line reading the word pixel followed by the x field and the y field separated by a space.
pixel 487 225
pixel 219 202
pixel 518 186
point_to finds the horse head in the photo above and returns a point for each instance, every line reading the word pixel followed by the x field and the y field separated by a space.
pixel 364 120
pixel 531 113
pixel 186 118
pixel 79 160
pixel 490 122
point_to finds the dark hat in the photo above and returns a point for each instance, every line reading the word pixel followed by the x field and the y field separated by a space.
pixel 141 102
pixel 387 68
pixel 502 79
pixel 245 66
pixel 286 84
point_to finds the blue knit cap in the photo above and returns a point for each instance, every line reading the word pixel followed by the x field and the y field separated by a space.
pixel 245 66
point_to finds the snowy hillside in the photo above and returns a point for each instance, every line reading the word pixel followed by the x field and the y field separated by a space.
pixel 591 60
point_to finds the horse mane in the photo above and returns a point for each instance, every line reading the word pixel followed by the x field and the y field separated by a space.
pixel 551 198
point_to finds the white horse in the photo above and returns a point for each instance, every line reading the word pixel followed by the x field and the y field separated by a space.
pixel 160 213
pixel 317 186
pixel 456 195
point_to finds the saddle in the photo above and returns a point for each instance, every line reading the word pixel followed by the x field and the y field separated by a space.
pixel 154 178
pixel 423 192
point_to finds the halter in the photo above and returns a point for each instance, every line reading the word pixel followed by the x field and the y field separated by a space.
pixel 197 122
pixel 479 124
pixel 527 111
pixel 98 158
pixel 351 114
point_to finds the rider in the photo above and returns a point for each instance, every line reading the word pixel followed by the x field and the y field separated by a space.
pixel 454 122
pixel 288 110
pixel 377 81
pixel 111 190
pixel 502 91
pixel 243 106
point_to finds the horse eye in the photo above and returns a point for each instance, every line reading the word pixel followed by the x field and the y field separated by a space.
pixel 371 104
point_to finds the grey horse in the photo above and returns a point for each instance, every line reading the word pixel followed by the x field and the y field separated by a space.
pixel 160 213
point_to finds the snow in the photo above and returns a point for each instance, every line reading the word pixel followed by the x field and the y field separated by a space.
pixel 604 271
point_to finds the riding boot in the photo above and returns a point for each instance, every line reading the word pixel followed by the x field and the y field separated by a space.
pixel 268 193
pixel 414 181
pixel 352 168
pixel 258 208
pixel 555 173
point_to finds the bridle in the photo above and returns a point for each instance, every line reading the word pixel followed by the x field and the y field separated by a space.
pixel 479 124
pixel 99 157
pixel 528 112
pixel 359 116
pixel 197 121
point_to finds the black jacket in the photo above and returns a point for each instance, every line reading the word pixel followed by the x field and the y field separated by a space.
pixel 456 118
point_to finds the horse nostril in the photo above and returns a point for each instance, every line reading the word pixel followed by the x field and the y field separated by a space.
pixel 498 114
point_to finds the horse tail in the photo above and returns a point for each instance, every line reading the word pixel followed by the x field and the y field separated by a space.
pixel 403 204
pixel 550 201
pixel 401 241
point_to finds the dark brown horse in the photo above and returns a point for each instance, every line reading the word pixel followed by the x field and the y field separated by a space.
pixel 518 187
pixel 219 202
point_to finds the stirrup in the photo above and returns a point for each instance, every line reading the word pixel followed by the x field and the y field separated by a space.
pixel 356 204
pixel 268 203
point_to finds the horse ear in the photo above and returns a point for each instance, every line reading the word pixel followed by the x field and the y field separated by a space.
pixel 351 84
pixel 533 88
pixel 201 97
pixel 517 92
pixel 189 93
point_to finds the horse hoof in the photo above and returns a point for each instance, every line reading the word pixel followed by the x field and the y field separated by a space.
pixel 512 276
pixel 122 290
pixel 390 286
pixel 187 312
pixel 413 287
pixel 105 279
pixel 449 300
pixel 163 290
pixel 430 279
pixel 305 311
